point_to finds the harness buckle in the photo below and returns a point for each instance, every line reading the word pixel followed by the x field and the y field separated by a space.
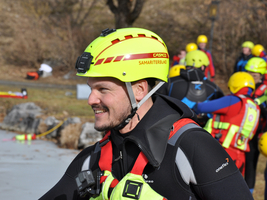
pixel 132 189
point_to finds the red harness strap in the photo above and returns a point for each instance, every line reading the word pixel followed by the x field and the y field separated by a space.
pixel 106 156
pixel 179 124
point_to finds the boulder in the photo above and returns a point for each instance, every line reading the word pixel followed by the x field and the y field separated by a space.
pixel 23 118
pixel 88 135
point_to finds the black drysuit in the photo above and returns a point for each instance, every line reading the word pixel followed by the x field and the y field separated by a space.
pixel 194 166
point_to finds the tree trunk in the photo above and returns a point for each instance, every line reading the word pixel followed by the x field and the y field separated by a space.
pixel 124 14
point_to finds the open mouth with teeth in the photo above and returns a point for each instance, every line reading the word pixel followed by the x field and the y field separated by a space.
pixel 98 110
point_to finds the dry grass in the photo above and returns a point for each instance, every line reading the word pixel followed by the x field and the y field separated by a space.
pixel 260 182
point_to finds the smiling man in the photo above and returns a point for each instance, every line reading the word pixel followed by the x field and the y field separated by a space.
pixel 152 148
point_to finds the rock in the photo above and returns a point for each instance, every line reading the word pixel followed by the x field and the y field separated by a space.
pixel 69 136
pixel 51 122
pixel 23 118
pixel 88 135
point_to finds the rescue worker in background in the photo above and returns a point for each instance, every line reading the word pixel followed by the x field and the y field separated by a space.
pixel 175 70
pixel 256 67
pixel 179 58
pixel 235 117
pixel 191 47
pixel 136 156
pixel 202 41
pixel 192 86
pixel 246 54
pixel 259 51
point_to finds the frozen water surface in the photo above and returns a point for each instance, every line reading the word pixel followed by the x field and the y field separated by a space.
pixel 30 169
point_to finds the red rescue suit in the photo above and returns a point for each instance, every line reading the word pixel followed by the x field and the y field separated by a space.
pixel 234 132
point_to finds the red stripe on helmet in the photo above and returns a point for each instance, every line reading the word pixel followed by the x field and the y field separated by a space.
pixel 133 57
pixel 109 59
pixel 118 58
pixel 99 61
pixel 146 55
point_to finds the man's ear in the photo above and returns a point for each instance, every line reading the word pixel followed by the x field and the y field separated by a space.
pixel 140 89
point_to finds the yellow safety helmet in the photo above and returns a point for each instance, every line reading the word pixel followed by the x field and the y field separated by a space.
pixel 175 70
pixel 191 47
pixel 248 44
pixel 257 49
pixel 256 64
pixel 128 54
pixel 240 80
pixel 196 59
pixel 202 39
pixel 262 144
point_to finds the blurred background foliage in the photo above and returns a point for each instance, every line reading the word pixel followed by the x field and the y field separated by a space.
pixel 32 31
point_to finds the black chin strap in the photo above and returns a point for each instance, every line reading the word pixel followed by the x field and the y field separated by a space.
pixel 126 121
pixel 135 106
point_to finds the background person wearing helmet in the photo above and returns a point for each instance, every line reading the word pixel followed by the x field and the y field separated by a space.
pixel 191 47
pixel 136 155
pixel 202 41
pixel 235 117
pixel 192 86
pixel 256 67
pixel 245 55
pixel 179 59
pixel 175 70
pixel 259 51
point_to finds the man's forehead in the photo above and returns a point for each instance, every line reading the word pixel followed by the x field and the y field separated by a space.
pixel 103 81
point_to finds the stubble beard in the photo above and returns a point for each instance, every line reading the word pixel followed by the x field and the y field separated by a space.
pixel 113 124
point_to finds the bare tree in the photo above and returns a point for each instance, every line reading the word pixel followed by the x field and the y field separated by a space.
pixel 126 11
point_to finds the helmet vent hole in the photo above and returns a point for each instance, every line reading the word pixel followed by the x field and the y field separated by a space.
pixel 141 35
pixel 115 41
pixel 128 36
pixel 154 37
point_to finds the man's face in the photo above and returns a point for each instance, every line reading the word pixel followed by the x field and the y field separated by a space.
pixel 257 77
pixel 202 45
pixel 246 51
pixel 182 54
pixel 110 102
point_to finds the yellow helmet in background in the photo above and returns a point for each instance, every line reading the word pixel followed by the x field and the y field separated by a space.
pixel 128 54
pixel 256 64
pixel 196 59
pixel 262 144
pixel 248 44
pixel 257 49
pixel 191 47
pixel 175 70
pixel 202 39
pixel 240 80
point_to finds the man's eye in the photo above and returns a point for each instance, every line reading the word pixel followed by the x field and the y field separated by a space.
pixel 102 89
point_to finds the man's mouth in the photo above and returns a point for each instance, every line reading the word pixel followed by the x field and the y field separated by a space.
pixel 99 111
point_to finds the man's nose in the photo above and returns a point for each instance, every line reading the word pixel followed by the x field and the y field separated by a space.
pixel 93 98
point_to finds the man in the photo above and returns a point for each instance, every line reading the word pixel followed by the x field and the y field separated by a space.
pixel 179 59
pixel 202 41
pixel 136 159
pixel 192 86
pixel 242 60
pixel 256 67
pixel 191 47
pixel 259 51
pixel 235 117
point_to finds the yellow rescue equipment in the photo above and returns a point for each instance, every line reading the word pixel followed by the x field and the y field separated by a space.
pixel 33 136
